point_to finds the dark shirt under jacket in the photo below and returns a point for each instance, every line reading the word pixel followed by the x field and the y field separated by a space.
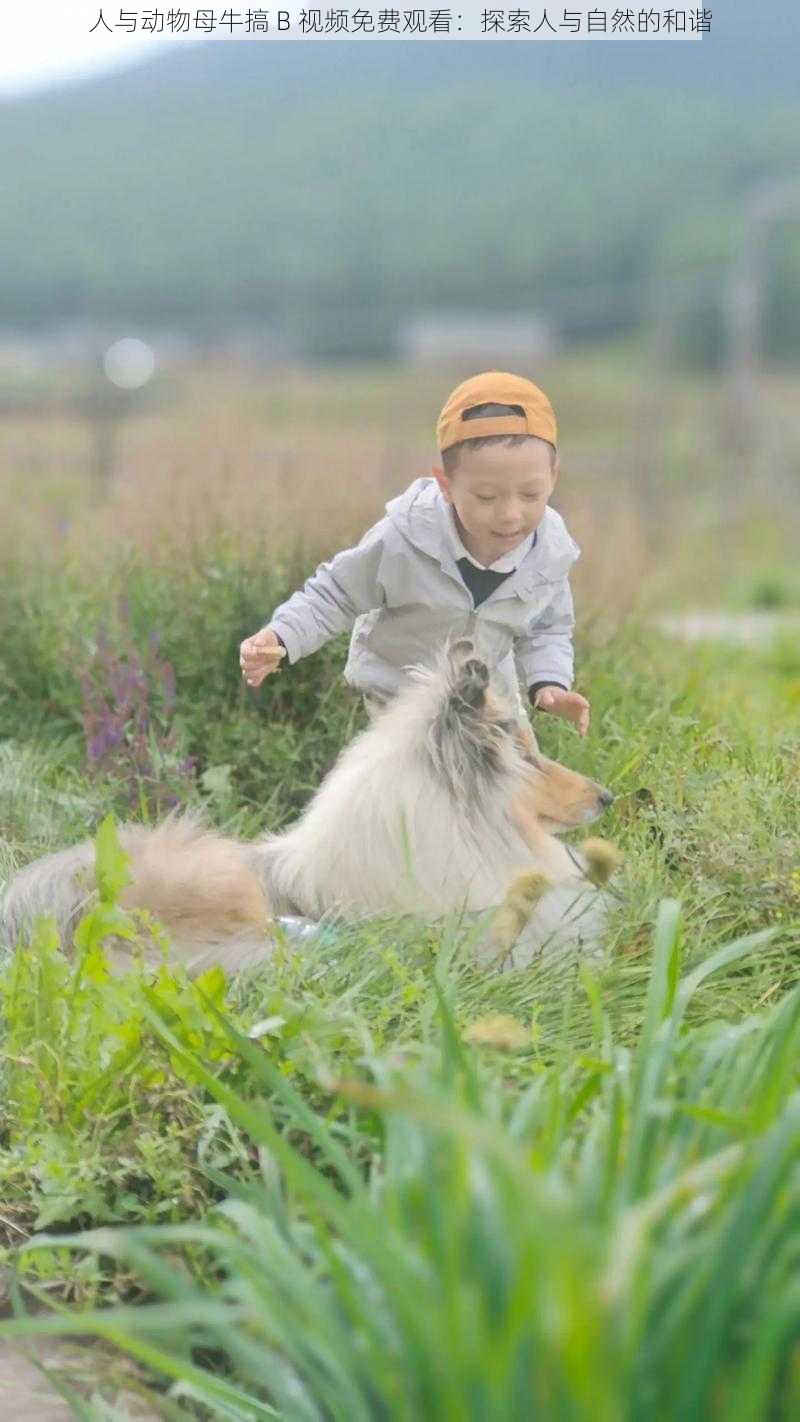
pixel 481 583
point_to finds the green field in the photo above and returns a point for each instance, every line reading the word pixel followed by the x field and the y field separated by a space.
pixel 371 1181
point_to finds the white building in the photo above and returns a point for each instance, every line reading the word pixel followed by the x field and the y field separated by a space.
pixel 495 340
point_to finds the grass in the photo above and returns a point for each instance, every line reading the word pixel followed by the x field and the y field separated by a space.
pixel 613 1237
pixel 374 1180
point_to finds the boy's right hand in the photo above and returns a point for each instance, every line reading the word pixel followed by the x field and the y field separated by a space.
pixel 260 655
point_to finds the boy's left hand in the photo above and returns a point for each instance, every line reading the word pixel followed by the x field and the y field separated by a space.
pixel 569 704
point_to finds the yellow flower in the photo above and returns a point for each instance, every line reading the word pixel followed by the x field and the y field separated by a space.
pixel 500 1030
pixel 517 906
pixel 602 859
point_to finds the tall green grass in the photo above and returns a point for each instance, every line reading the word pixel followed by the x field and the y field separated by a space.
pixel 614 1238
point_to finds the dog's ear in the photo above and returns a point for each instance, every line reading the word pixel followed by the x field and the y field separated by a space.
pixel 470 683
pixel 469 675
pixel 460 650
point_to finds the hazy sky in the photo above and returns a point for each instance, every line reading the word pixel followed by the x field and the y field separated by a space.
pixel 49 40
pixel 45 42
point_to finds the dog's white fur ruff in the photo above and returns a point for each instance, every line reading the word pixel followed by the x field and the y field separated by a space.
pixel 420 815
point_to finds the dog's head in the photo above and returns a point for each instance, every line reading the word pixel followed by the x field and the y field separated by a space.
pixel 560 798
pixel 475 739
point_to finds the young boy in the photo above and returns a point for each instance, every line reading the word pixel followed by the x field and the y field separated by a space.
pixel 475 551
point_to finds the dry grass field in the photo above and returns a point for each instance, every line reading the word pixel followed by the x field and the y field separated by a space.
pixel 667 506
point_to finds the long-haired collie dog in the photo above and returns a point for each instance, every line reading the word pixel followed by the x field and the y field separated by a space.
pixel 442 805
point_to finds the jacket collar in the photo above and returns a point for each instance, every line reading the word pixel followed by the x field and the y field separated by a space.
pixel 506 563
pixel 417 516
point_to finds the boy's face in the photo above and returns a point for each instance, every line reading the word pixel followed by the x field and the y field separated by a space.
pixel 499 493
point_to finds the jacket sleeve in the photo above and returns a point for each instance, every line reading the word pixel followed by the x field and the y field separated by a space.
pixel 331 600
pixel 544 653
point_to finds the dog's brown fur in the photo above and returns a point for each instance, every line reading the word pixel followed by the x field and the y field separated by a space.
pixel 199 884
pixel 556 797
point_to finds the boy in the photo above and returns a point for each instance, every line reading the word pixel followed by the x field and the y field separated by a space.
pixel 474 551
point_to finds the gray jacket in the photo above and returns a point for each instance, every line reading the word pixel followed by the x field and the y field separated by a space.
pixel 403 595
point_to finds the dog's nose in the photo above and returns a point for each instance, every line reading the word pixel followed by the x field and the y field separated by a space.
pixel 606 798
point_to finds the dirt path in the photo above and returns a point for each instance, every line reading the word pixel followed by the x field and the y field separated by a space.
pixel 26 1396
pixel 748 629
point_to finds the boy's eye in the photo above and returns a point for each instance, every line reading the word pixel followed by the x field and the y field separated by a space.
pixel 485 498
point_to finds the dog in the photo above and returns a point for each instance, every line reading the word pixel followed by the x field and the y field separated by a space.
pixel 438 807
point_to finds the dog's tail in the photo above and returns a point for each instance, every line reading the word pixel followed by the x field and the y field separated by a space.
pixel 202 889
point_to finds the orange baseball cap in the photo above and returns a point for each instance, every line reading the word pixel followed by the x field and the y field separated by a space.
pixel 496 387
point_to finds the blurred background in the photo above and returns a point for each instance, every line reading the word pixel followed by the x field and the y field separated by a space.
pixel 238 280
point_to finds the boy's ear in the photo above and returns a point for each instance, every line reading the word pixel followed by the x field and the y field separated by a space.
pixel 556 471
pixel 442 480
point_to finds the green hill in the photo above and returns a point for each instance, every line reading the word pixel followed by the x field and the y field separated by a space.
pixel 334 185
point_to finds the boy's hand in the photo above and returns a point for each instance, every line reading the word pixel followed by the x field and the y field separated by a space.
pixel 568 704
pixel 260 655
